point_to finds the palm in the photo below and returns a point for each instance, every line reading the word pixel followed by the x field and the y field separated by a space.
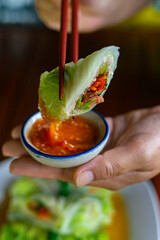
pixel 132 125
pixel 132 154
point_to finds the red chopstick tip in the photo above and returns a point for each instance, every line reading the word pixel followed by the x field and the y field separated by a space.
pixel 60 95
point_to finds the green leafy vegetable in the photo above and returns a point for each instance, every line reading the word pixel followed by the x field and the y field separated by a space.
pixel 22 231
pixel 79 102
pixel 77 78
pixel 103 69
pixel 71 210
pixel 64 189
pixel 72 213
pixel 86 106
pixel 23 188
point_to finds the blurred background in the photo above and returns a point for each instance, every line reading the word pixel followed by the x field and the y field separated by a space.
pixel 27 48
pixel 24 12
pixel 18 12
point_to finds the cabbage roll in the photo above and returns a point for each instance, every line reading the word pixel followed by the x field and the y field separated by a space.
pixel 68 210
pixel 85 83
pixel 24 231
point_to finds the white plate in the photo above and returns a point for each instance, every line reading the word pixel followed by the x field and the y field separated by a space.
pixel 141 202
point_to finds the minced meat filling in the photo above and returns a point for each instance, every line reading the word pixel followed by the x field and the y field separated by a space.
pixel 95 89
pixel 90 94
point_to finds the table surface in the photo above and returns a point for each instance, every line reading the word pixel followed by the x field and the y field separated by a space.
pixel 26 52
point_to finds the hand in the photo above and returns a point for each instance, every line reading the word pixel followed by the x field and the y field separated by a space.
pixel 93 14
pixel 132 155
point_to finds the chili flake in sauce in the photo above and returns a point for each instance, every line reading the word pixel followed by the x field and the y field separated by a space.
pixel 69 137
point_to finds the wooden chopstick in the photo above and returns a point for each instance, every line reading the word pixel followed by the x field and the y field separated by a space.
pixel 75 35
pixel 63 45
pixel 63 40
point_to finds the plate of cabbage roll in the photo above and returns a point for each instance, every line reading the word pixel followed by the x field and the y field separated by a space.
pixel 33 208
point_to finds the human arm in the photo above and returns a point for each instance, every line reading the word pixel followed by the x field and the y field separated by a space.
pixel 131 156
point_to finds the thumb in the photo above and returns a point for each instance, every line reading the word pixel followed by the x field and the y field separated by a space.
pixel 112 163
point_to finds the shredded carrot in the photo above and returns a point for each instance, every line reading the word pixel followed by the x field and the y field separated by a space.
pixel 102 78
pixel 102 82
pixel 93 88
pixel 43 213
pixel 98 84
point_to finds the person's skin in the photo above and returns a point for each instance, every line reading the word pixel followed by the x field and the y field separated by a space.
pixel 133 152
pixel 93 14
pixel 132 155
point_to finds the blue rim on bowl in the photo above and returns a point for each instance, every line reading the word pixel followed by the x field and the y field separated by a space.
pixel 34 150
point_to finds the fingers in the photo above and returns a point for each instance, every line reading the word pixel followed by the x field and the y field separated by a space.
pixel 124 180
pixel 27 166
pixel 13 148
pixel 16 132
pixel 155 109
pixel 90 12
pixel 112 163
pixel 49 13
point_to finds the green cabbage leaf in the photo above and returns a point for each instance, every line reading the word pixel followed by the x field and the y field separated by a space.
pixel 72 210
pixel 77 78
pixel 23 231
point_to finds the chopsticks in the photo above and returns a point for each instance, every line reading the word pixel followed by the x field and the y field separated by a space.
pixel 63 39
pixel 75 36
pixel 63 45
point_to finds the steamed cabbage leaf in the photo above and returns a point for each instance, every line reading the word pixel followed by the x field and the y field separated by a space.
pixel 26 186
pixel 70 210
pixel 23 231
pixel 78 77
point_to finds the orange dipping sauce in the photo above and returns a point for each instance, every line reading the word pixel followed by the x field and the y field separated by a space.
pixel 69 137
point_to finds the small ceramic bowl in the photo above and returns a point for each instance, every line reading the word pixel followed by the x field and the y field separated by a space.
pixel 72 160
